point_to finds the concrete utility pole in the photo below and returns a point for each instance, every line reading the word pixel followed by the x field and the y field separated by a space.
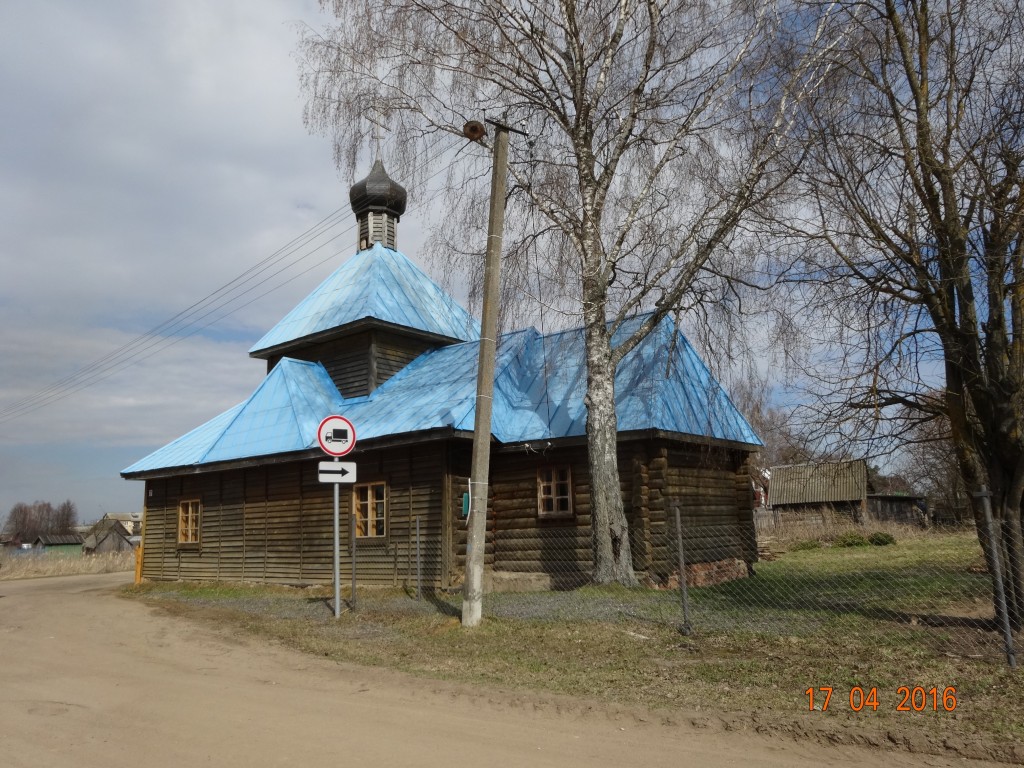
pixel 473 591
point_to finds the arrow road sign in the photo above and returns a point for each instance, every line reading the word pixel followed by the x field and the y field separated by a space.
pixel 337 472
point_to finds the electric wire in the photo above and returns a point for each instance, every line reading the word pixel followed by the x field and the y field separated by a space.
pixel 158 338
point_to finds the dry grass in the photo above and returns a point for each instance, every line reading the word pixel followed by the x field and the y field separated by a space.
pixel 30 566
pixel 832 526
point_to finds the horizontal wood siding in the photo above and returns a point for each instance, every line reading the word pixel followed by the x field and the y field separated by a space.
pixel 393 352
pixel 461 461
pixel 274 524
pixel 347 360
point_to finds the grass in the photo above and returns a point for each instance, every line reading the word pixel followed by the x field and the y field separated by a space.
pixel 30 565
pixel 880 617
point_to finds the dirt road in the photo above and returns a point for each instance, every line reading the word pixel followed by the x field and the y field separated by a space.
pixel 90 680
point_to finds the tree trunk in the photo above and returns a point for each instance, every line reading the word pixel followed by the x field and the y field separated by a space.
pixel 613 560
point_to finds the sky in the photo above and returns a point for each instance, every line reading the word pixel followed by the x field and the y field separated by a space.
pixel 149 154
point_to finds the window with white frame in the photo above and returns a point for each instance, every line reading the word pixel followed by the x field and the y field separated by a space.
pixel 189 515
pixel 554 492
pixel 370 504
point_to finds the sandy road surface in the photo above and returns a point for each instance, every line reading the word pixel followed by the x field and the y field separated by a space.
pixel 94 681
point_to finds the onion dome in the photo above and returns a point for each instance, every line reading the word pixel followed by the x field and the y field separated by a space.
pixel 378 202
pixel 378 192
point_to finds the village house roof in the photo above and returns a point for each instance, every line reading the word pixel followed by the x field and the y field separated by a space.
pixel 823 483
pixel 103 529
pixel 540 384
pixel 57 539
pixel 377 285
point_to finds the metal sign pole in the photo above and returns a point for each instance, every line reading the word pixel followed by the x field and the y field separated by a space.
pixel 353 602
pixel 337 554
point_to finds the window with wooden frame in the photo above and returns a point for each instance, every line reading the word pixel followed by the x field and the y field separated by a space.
pixel 554 492
pixel 189 514
pixel 370 504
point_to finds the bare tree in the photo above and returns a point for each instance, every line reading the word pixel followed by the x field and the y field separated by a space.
pixel 27 521
pixel 929 462
pixel 653 128
pixel 911 229
pixel 20 521
pixel 65 517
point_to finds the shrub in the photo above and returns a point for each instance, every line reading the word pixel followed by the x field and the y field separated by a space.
pixel 850 539
pixel 881 539
pixel 805 544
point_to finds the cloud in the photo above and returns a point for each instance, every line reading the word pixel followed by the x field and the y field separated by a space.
pixel 150 153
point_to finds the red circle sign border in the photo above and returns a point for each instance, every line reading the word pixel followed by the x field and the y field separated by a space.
pixel 324 448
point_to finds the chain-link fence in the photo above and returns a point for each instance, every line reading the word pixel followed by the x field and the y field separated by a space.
pixel 825 582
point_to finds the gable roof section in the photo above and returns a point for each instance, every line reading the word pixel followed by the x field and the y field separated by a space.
pixel 281 416
pixel 540 383
pixel 823 483
pixel 379 284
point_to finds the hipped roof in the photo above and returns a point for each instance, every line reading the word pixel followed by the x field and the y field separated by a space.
pixel 540 384
pixel 377 284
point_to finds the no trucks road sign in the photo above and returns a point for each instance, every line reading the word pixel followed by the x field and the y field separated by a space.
pixel 336 435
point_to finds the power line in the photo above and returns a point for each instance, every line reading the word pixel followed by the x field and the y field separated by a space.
pixel 158 338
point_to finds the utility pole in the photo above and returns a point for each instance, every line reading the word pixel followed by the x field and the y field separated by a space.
pixel 473 591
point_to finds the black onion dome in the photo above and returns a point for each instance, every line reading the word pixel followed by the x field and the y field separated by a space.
pixel 378 192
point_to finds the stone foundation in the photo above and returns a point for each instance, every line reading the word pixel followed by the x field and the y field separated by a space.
pixel 709 574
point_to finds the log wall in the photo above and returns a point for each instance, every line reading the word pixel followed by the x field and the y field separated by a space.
pixel 708 485
pixel 274 523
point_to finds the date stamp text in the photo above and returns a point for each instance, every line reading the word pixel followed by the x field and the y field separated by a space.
pixel 908 698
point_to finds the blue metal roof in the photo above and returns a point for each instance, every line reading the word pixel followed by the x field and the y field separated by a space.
pixel 282 415
pixel 377 283
pixel 540 383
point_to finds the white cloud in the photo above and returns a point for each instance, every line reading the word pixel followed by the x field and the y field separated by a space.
pixel 150 153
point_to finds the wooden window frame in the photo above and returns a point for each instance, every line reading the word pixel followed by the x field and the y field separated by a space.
pixel 190 524
pixel 547 491
pixel 356 508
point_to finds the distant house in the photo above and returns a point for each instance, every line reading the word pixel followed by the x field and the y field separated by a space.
pixel 130 521
pixel 58 543
pixel 106 536
pixel 807 490
pixel 238 498
pixel 837 490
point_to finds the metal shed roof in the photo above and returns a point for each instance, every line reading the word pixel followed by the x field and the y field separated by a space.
pixel 380 284
pixel 818 483
pixel 540 383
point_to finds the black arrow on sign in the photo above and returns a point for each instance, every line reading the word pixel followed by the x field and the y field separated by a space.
pixel 339 471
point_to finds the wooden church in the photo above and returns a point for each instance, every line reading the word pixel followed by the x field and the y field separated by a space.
pixel 380 343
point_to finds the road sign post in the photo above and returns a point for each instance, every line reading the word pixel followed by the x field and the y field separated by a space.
pixel 337 437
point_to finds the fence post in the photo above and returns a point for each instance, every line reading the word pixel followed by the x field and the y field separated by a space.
pixel 419 570
pixel 997 573
pixel 686 629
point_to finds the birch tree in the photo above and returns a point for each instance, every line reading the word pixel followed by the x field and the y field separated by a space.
pixel 911 225
pixel 653 129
